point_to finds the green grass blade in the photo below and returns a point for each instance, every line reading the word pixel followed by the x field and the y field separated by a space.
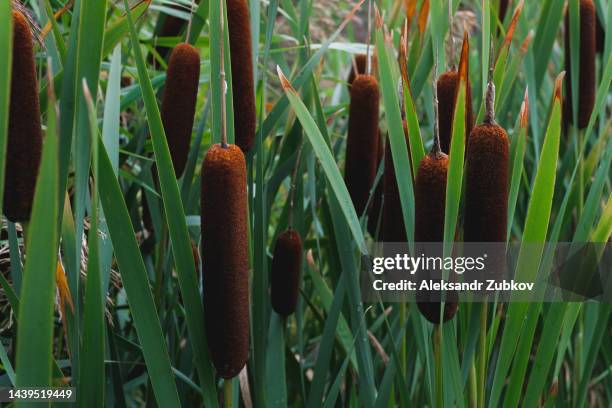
pixel 110 135
pixel 399 149
pixel 35 352
pixel 326 346
pixel 177 227
pixel 92 20
pixel 136 284
pixel 6 364
pixel 536 228
pixel 519 144
pixel 454 179
pixel 91 373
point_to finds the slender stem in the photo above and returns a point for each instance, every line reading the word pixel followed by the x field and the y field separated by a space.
pixel 490 97
pixel 473 387
pixel 292 189
pixel 223 83
pixel 450 45
pixel 438 365
pixel 436 149
pixel 228 394
pixel 369 39
pixel 482 366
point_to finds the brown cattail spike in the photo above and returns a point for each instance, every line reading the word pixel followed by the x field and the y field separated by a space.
pixel 430 202
pixel 286 267
pixel 361 144
pixel 430 198
pixel 447 88
pixel 225 273
pixel 429 210
pixel 179 102
pixel 239 29
pixel 586 80
pixel 486 197
pixel 24 145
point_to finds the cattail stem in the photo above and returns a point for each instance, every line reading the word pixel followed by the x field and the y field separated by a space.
pixel 293 183
pixel 436 149
pixel 482 364
pixel 228 394
pixel 438 366
pixel 222 78
pixel 369 40
pixel 490 97
pixel 450 45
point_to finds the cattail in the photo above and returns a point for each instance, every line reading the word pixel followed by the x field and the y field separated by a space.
pixel 394 229
pixel 286 267
pixel 361 144
pixel 586 80
pixel 225 274
pixel 429 210
pixel 486 184
pixel 24 145
pixel 242 73
pixel 486 197
pixel 447 95
pixel 179 102
pixel 430 198
pixel 374 211
pixel 429 202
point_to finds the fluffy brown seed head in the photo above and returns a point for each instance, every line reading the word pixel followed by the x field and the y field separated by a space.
pixel 24 146
pixel 447 96
pixel 239 29
pixel 430 198
pixel 225 274
pixel 393 218
pixel 286 268
pixel 179 102
pixel 430 202
pixel 586 80
pixel 361 144
pixel 486 197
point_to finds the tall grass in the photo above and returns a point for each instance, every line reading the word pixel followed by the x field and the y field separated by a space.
pixel 95 295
